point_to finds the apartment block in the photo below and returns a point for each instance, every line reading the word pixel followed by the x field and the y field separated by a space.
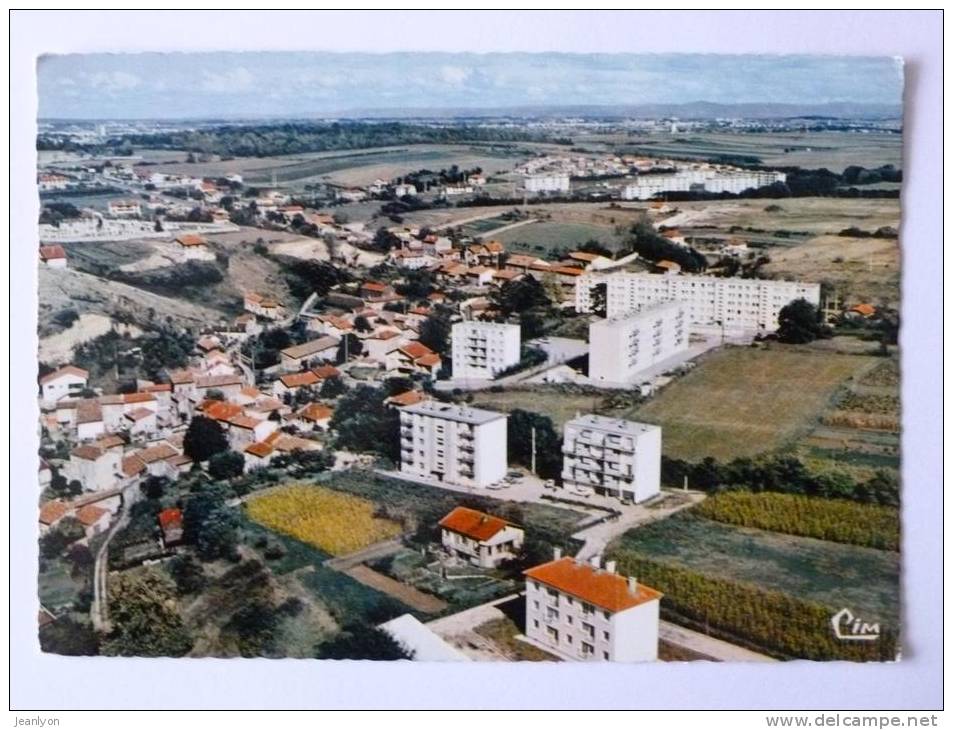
pixel 481 350
pixel 612 457
pixel 453 444
pixel 584 611
pixel 546 183
pixel 737 305
pixel 622 347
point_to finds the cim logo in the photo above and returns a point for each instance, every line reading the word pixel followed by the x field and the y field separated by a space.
pixel 848 627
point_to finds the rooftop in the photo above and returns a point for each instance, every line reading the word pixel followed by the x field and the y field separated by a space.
pixel 452 412
pixel 611 425
pixel 609 591
pixel 473 523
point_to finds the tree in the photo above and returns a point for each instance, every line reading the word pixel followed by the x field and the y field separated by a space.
pixel 799 322
pixel 226 465
pixel 597 296
pixel 203 439
pixel 333 387
pixel 61 536
pixel 210 525
pixel 519 436
pixel 519 296
pixel 349 347
pixel 153 487
pixel 363 642
pixel 188 574
pixel 69 637
pixel 364 423
pixel 145 617
pixel 435 332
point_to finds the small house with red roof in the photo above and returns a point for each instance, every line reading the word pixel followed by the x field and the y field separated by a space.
pixel 171 524
pixel 479 538
pixel 53 257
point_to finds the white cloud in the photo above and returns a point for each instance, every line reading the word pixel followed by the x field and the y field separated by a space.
pixel 454 75
pixel 234 81
pixel 112 81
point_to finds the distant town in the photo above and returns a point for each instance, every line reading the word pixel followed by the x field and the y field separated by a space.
pixel 503 389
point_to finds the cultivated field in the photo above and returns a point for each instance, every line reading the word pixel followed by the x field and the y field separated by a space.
pixel 833 150
pixel 741 401
pixel 833 574
pixel 334 522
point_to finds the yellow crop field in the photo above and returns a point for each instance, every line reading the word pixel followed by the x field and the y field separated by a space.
pixel 331 521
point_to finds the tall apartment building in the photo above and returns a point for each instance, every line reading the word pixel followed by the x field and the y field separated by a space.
pixel 622 347
pixel 584 611
pixel 543 182
pixel 454 444
pixel 612 457
pixel 707 179
pixel 737 305
pixel 481 350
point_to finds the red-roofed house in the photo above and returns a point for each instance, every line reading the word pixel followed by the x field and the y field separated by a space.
pixel 53 257
pixel 585 611
pixel 312 416
pixel 170 522
pixel 479 538
pixel 94 519
pixel 193 246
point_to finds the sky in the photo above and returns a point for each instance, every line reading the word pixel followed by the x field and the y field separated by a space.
pixel 217 85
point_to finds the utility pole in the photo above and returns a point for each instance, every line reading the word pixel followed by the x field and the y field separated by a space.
pixel 533 457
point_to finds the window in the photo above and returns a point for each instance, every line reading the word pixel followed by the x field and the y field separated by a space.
pixel 535 623
pixel 536 605
pixel 605 635
pixel 605 655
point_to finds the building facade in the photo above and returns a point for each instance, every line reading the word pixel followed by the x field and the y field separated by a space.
pixel 479 538
pixel 587 612
pixel 546 183
pixel 481 350
pixel 454 444
pixel 735 305
pixel 612 457
pixel 622 347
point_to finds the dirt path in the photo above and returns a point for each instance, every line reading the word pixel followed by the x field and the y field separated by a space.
pixel 371 552
pixel 404 593
pixel 707 646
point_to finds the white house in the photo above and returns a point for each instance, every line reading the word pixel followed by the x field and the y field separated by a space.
pixel 451 443
pixel 612 457
pixel 97 469
pixel 584 611
pixel 479 538
pixel 622 347
pixel 68 381
pixel 736 305
pixel 483 349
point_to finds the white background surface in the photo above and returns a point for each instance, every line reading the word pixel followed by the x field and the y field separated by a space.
pixel 48 682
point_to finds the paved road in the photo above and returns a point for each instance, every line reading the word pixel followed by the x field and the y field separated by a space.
pixel 708 646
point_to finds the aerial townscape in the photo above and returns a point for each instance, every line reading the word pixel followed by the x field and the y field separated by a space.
pixel 565 385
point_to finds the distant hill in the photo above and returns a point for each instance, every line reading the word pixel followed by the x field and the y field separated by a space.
pixel 691 110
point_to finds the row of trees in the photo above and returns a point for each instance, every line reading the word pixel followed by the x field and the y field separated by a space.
pixel 781 624
pixel 780 473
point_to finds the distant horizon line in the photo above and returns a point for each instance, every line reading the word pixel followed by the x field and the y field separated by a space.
pixel 867 109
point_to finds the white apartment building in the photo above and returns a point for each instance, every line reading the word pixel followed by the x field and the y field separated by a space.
pixel 454 444
pixel 584 611
pixel 622 347
pixel 707 179
pixel 612 457
pixel 481 350
pixel 553 182
pixel 735 305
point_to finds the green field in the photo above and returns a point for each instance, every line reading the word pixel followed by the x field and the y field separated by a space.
pixel 741 401
pixel 543 237
pixel 833 574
